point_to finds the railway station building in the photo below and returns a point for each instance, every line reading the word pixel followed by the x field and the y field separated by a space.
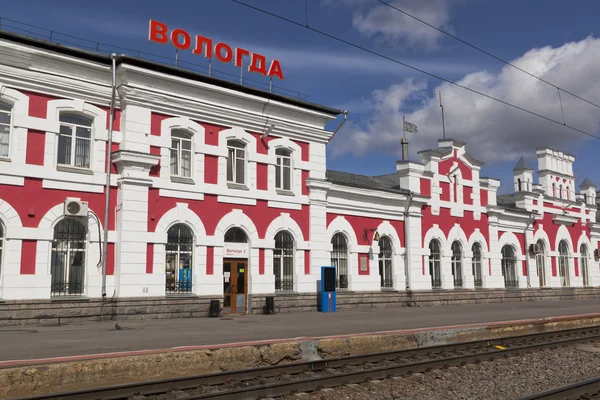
pixel 221 191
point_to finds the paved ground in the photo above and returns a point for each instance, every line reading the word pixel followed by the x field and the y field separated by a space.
pixel 33 342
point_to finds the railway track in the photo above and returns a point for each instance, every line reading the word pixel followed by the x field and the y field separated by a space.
pixel 583 390
pixel 308 376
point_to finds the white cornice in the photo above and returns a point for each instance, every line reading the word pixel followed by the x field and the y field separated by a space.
pixel 562 219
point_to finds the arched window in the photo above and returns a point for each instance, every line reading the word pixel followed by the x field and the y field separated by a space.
pixel 179 259
pixel 435 259
pixel 1 244
pixel 385 263
pixel 457 264
pixel 181 153
pixel 339 259
pixel 5 127
pixel 476 263
pixel 519 187
pixel 509 267
pixel 74 141
pixel 68 258
pixel 554 190
pixel 540 261
pixel 283 169
pixel 567 193
pixel 584 264
pixel 236 162
pixel 563 263
pixel 283 262
pixel 236 235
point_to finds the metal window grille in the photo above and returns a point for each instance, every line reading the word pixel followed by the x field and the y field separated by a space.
pixel 68 258
pixel 584 264
pixel 385 263
pixel 283 169
pixel 74 141
pixel 509 267
pixel 5 128
pixel 476 261
pixel 236 235
pixel 339 259
pixel 236 162
pixel 179 259
pixel 283 262
pixel 181 153
pixel 563 263
pixel 457 264
pixel 540 260
pixel 435 257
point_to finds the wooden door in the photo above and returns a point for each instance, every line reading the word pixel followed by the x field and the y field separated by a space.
pixel 235 286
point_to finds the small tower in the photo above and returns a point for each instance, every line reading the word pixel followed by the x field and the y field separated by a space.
pixel 555 173
pixel 523 176
pixel 588 190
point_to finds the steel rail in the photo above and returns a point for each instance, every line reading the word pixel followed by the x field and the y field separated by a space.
pixel 568 392
pixel 279 389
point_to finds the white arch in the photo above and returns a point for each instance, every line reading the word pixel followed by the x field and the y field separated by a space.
pixel 286 143
pixel 98 115
pixel 287 223
pixel 183 123
pixel 457 234
pixel 340 224
pixel 434 233
pixel 540 234
pixel 509 238
pixel 584 240
pixel 477 237
pixel 386 229
pixel 181 214
pixel 9 217
pixel 196 130
pixel 563 234
pixel 236 218
pixel 239 134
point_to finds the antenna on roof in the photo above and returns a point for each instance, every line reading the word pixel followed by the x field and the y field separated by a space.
pixel 442 107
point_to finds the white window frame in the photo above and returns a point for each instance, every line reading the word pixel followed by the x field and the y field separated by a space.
pixel 184 137
pixel 235 146
pixel 563 263
pixel 280 158
pixel 10 123
pixel 583 264
pixel 73 127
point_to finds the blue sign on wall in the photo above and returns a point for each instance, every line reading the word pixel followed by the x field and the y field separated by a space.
pixel 185 280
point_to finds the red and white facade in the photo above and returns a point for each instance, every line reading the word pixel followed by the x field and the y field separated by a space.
pixel 189 152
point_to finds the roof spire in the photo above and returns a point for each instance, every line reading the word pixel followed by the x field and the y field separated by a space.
pixel 522 165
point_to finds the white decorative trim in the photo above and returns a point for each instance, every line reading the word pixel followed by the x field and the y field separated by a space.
pixel 341 225
pixel 181 214
pixel 197 132
pixel 435 233
pixel 236 218
pixel 286 223
pixel 19 102
pixel 9 217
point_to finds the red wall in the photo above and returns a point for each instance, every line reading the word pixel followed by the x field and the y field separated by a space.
pixel 446 222
pixel 361 223
pixel 445 166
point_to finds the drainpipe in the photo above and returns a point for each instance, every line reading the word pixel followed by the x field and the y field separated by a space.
pixel 406 246
pixel 345 112
pixel 526 248
pixel 113 56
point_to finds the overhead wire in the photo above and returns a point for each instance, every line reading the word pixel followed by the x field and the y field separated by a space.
pixel 362 48
pixel 486 52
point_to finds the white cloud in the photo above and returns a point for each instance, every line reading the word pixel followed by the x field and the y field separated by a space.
pixel 492 130
pixel 374 19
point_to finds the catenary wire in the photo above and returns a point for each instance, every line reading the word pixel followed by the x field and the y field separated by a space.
pixel 486 52
pixel 414 68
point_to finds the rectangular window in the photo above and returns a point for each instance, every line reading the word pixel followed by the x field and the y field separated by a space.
pixel 283 169
pixel 236 163
pixel 181 154
pixel 74 141
pixel 4 130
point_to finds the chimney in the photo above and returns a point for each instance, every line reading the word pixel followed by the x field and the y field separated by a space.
pixel 404 149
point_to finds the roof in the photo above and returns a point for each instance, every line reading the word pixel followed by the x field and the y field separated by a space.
pixel 587 183
pixel 522 165
pixel 508 202
pixel 162 68
pixel 386 183
pixel 444 151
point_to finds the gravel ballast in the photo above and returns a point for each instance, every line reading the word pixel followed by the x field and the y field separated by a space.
pixel 490 380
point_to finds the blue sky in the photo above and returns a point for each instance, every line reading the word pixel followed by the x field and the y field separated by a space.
pixel 378 92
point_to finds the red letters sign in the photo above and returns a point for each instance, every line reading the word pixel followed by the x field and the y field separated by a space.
pixel 182 40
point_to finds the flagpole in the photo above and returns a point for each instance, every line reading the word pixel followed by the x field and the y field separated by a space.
pixel 442 107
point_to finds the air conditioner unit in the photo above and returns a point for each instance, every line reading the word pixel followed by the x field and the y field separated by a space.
pixel 75 208
pixel 535 248
pixel 597 254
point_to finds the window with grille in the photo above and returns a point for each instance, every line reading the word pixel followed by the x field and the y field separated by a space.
pixel 68 258
pixel 236 235
pixel 74 141
pixel 385 263
pixel 339 259
pixel 181 153
pixel 236 162
pixel 5 128
pixel 540 261
pixel 457 264
pixel 563 262
pixel 179 259
pixel 283 169
pixel 283 262
pixel 435 270
pixel 584 264
pixel 476 261
pixel 509 267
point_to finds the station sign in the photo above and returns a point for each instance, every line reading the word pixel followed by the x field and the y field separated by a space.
pixel 182 40
pixel 235 250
